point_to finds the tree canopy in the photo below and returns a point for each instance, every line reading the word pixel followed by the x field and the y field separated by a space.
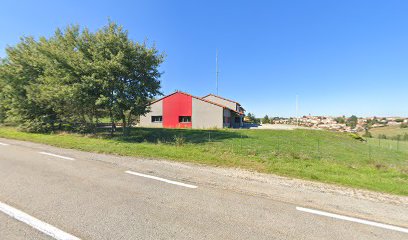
pixel 352 121
pixel 266 119
pixel 75 77
pixel 340 120
pixel 251 118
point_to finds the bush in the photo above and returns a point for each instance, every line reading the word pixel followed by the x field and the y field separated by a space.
pixel 367 134
pixel 36 125
pixel 340 120
pixel 179 140
pixel 356 137
pixel 266 119
pixel 382 136
pixel 404 125
pixel 352 121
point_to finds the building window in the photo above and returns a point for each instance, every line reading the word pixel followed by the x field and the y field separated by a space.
pixel 157 119
pixel 237 120
pixel 185 119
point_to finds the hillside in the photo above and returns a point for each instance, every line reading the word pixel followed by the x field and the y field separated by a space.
pixel 389 131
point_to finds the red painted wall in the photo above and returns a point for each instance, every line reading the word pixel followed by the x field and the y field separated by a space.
pixel 174 106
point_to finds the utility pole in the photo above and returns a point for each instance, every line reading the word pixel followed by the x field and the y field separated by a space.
pixel 216 68
pixel 297 110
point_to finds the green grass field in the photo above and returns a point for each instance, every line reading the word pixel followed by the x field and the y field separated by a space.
pixel 315 155
pixel 393 145
pixel 389 131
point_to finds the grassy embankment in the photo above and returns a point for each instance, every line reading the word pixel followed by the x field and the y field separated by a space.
pixel 314 155
pixel 389 131
pixel 393 145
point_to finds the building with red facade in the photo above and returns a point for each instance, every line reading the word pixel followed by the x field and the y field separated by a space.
pixel 183 110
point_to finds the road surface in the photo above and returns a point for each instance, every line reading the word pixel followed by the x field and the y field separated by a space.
pixel 95 196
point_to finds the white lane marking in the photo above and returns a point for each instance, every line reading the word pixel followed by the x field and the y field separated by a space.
pixel 4 144
pixel 352 219
pixel 161 179
pixel 58 156
pixel 36 223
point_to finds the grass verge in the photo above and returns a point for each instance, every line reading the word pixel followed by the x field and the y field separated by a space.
pixel 314 155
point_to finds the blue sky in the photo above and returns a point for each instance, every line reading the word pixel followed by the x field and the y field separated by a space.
pixel 340 57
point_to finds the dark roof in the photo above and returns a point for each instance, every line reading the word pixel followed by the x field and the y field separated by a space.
pixel 204 100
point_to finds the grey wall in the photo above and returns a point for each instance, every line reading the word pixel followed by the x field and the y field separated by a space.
pixel 206 115
pixel 222 102
pixel 156 109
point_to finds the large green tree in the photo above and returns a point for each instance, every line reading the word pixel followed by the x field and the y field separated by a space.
pixel 3 107
pixel 129 73
pixel 22 69
pixel 75 77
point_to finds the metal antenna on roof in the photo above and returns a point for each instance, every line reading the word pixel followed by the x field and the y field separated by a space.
pixel 216 68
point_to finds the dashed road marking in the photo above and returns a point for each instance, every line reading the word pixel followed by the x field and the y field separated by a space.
pixel 352 219
pixel 161 179
pixel 36 223
pixel 58 156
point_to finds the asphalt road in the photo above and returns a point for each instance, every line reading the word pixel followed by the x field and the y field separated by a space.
pixel 96 199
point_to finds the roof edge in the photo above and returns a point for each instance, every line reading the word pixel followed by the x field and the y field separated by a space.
pixel 226 99
pixel 204 100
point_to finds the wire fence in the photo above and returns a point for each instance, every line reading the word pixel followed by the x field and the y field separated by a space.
pixel 371 150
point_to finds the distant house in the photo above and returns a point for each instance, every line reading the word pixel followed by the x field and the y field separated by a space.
pixel 183 110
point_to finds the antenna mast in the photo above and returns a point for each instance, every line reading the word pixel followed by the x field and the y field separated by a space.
pixel 297 109
pixel 216 68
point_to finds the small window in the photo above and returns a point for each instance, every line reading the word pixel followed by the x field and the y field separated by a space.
pixel 157 118
pixel 237 120
pixel 185 119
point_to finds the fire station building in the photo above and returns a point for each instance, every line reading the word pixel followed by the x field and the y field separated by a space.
pixel 183 110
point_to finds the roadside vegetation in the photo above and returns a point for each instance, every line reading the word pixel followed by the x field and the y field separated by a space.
pixel 60 90
pixel 75 79
pixel 324 156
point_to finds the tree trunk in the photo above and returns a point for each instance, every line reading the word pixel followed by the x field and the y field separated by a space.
pixel 96 124
pixel 124 127
pixel 113 127
pixel 129 124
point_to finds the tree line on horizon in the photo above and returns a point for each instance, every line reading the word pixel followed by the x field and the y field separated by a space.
pixel 74 78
